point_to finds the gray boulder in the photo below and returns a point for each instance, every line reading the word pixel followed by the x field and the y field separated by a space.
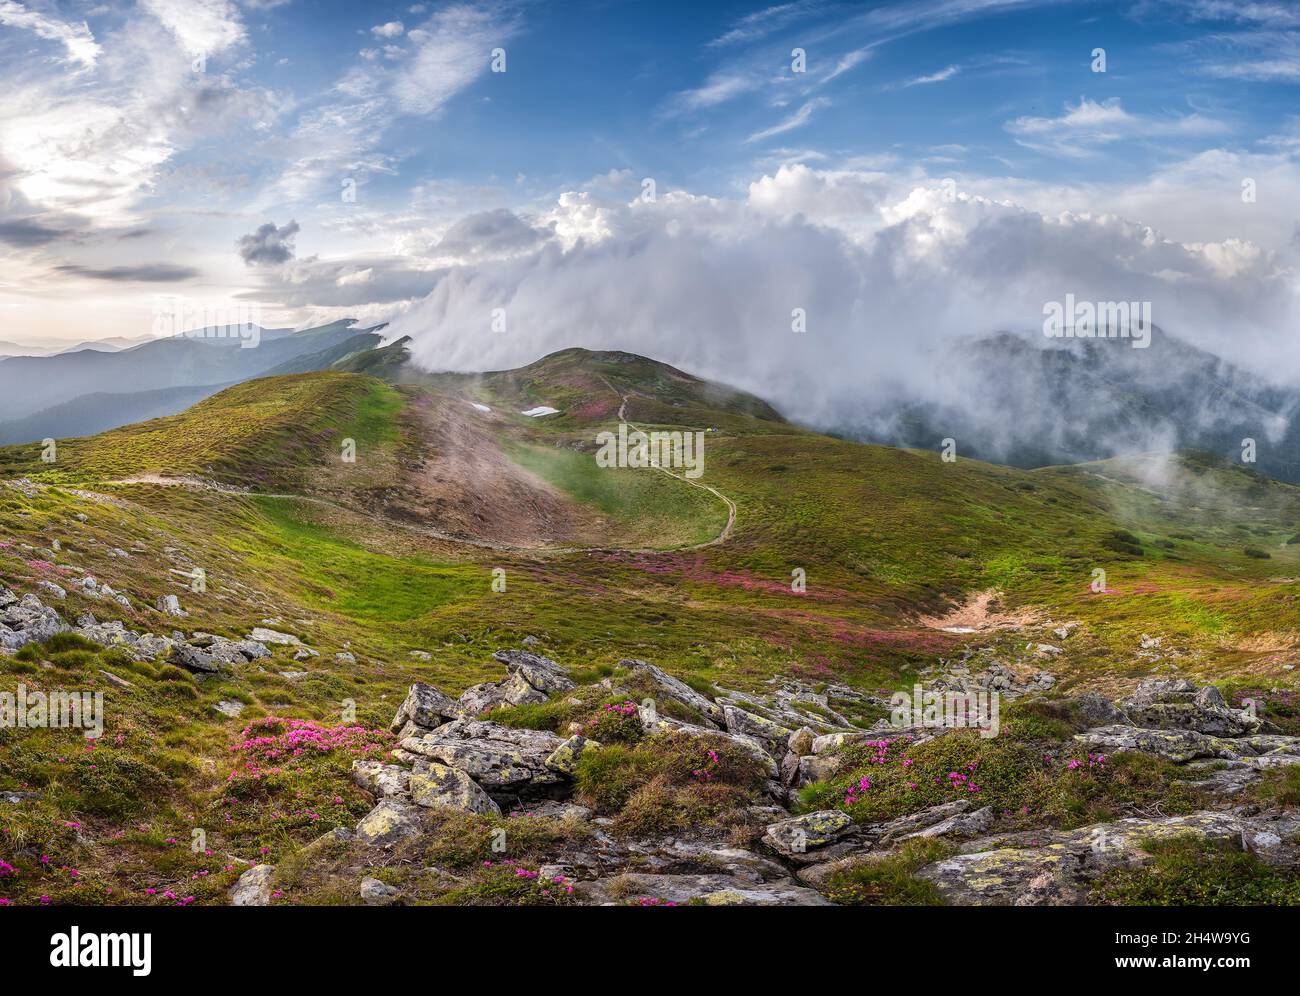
pixel 678 690
pixel 502 759
pixel 434 784
pixel 377 893
pixel 540 672
pixel 382 780
pixel 390 822
pixel 800 834
pixel 424 706
pixel 253 888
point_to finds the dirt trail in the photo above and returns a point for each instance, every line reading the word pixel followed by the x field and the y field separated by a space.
pixel 723 536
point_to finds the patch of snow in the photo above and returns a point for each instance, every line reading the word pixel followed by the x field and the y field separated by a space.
pixel 539 411
pixel 482 408
pixel 959 629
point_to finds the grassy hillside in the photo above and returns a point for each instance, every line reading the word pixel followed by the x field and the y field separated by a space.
pixel 257 434
pixel 889 541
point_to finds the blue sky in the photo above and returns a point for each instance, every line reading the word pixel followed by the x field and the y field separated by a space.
pixel 202 148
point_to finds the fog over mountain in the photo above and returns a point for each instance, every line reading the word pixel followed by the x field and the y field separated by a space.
pixel 897 288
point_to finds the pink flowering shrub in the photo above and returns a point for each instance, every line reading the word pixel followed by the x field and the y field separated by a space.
pixel 882 779
pixel 288 775
pixel 274 741
pixel 513 883
pixel 614 723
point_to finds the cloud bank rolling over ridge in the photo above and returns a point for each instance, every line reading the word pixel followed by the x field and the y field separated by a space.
pixel 890 275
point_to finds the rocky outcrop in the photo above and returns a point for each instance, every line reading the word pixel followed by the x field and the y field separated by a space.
pixel 509 763
pixel 532 679
pixel 1178 704
pixel 1045 868
pixel 1173 745
pixel 28 620
pixel 1007 682
pixel 677 690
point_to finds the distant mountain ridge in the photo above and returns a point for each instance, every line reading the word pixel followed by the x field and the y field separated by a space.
pixel 88 391
pixel 1031 402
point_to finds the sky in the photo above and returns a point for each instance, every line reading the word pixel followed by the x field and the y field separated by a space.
pixel 500 179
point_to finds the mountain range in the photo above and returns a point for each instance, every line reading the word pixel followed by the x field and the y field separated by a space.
pixel 87 391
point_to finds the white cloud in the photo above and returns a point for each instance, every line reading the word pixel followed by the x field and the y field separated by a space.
pixel 392 29
pixel 452 50
pixel 76 38
pixel 203 27
pixel 890 277
pixel 796 120
pixel 946 73
pixel 761 23
pixel 1089 124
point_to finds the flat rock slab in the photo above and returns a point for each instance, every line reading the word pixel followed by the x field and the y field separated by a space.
pixel 1058 868
pixel 711 890
pixel 1175 745
pixel 497 757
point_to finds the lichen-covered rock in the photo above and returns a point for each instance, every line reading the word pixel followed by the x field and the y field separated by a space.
pixel 540 672
pixel 263 635
pixel 513 691
pixel 1097 710
pixel 433 784
pixel 1043 868
pixel 425 706
pixel 801 741
pixel 750 724
pixel 817 768
pixel 1177 704
pixel 960 825
pixel 676 689
pixel 921 820
pixel 391 821
pixel 565 757
pixel 834 741
pixel 804 833
pixel 1174 745
pixel 376 893
pixel 253 888
pixel 501 759
pixel 382 780
pixel 711 890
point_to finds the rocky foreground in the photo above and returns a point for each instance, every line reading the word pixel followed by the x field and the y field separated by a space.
pixel 641 789
pixel 796 739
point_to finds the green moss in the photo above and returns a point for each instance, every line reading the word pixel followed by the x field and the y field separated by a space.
pixel 1190 871
pixel 889 880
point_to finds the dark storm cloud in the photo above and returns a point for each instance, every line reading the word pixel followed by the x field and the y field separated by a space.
pixel 268 245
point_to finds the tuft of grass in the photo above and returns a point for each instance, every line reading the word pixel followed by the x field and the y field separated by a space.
pixel 890 880
pixel 1191 871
